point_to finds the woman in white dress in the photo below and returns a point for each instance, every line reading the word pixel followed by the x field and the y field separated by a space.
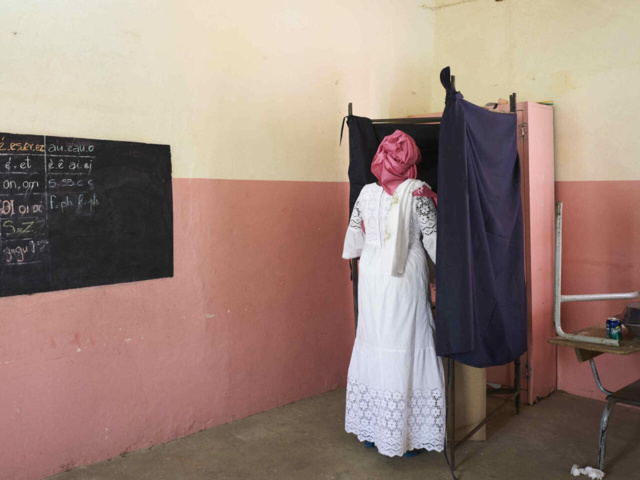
pixel 395 388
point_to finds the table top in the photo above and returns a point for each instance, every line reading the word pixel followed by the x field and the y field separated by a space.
pixel 628 345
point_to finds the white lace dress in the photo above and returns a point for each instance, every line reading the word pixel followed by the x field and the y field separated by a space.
pixel 395 387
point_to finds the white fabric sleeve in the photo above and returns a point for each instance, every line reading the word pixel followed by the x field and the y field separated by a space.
pixel 428 220
pixel 354 240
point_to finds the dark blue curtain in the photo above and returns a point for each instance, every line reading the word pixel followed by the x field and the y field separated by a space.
pixel 481 312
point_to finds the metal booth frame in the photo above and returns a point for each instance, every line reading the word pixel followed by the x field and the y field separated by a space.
pixel 513 393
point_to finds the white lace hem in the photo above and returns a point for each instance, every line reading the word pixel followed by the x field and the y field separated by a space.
pixel 432 447
pixel 396 422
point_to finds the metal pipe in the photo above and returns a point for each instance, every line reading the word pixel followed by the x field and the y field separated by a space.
pixel 558 298
pixel 558 271
pixel 410 120
pixel 599 296
pixel 597 378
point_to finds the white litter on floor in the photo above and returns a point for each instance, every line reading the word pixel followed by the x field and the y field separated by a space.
pixel 593 473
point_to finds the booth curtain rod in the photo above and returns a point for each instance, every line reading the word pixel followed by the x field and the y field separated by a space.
pixel 419 120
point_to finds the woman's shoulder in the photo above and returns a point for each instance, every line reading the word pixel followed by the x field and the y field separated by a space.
pixel 370 187
pixel 422 189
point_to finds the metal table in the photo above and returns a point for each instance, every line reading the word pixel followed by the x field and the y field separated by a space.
pixel 591 342
pixel 629 395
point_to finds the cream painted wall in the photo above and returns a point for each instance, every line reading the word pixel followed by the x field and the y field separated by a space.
pixel 256 90
pixel 240 90
pixel 581 53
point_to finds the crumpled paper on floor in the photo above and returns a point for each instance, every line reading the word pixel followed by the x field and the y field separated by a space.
pixel 593 473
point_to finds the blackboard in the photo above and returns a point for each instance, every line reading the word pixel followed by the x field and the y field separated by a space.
pixel 78 212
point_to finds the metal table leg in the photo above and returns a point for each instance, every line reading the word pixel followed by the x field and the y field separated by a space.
pixel 597 377
pixel 606 413
pixel 602 437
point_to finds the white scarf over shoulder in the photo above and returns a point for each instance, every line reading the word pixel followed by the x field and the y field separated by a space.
pixel 395 247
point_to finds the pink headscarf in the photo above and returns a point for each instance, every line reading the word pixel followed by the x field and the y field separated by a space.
pixel 396 160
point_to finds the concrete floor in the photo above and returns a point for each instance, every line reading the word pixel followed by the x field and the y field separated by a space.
pixel 306 440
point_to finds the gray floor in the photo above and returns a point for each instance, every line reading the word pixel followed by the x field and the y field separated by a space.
pixel 306 440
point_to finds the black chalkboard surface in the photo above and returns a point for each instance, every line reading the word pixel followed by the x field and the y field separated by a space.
pixel 77 212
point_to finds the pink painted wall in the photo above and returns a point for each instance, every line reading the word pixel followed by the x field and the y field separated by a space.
pixel 601 254
pixel 259 314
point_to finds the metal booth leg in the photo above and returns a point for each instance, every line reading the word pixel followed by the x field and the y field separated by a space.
pixel 354 279
pixel 516 383
pixel 602 438
pixel 452 370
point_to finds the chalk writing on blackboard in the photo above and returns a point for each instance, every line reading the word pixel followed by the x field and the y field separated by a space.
pixel 77 212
